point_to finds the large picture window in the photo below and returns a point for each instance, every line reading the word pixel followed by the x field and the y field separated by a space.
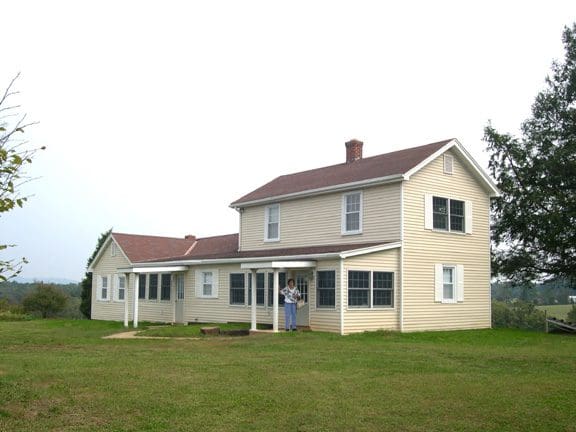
pixel 352 213
pixel 237 288
pixel 370 289
pixel 326 289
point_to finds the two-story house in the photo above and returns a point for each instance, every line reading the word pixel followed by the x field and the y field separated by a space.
pixel 398 241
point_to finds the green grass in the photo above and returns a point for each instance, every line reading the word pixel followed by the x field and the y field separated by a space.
pixel 556 311
pixel 61 376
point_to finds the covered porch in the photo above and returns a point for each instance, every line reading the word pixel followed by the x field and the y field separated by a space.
pixel 290 267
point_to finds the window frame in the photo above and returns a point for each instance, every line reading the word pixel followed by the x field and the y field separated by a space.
pixel 449 214
pixel 142 293
pixel 237 289
pixel 103 286
pixel 260 290
pixel 120 277
pixel 152 286
pixel 448 164
pixel 319 290
pixel 345 213
pixel 163 296
pixel 457 283
pixel 205 283
pixel 370 290
pixel 267 223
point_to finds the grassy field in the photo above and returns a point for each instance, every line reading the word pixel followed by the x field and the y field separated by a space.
pixel 556 311
pixel 61 376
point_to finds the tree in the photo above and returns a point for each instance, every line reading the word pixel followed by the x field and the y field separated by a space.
pixel 534 221
pixel 46 300
pixel 86 304
pixel 14 158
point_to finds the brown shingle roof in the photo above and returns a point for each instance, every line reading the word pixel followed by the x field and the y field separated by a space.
pixel 144 248
pixel 389 164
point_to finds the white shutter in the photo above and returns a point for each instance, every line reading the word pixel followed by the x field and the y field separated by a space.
pixel 428 218
pixel 438 282
pixel 459 282
pixel 215 283
pixel 98 287
pixel 110 288
pixel 468 217
pixel 116 287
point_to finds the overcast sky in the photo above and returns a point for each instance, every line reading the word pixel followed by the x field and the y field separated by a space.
pixel 157 115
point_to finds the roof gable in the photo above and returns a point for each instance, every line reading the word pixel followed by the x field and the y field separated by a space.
pixel 138 248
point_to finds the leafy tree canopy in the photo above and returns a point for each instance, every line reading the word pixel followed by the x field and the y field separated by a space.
pixel 534 221
pixel 46 300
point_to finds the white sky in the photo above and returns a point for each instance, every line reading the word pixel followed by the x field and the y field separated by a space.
pixel 157 115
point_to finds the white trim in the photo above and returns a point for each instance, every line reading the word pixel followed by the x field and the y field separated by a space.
pixel 199 279
pixel 319 191
pixel 454 143
pixel 457 283
pixel 371 249
pixel 468 217
pixel 116 295
pixel 277 265
pixel 401 284
pixel 344 209
pixel 164 269
pixel 342 288
pixel 267 223
pixel 371 306
pixel 324 308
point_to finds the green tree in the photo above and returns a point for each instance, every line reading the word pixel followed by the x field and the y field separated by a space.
pixel 45 299
pixel 534 221
pixel 14 158
pixel 86 303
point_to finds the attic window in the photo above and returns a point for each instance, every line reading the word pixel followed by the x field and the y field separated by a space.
pixel 113 249
pixel 448 164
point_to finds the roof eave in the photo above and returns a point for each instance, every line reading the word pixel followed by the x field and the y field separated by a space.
pixel 319 191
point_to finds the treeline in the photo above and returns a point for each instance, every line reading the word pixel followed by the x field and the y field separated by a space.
pixel 12 295
pixel 547 293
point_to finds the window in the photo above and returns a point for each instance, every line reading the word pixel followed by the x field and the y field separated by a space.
pixel 352 213
pixel 237 288
pixel 113 249
pixel 103 288
pixel 281 284
pixel 448 164
pixel 447 214
pixel 326 289
pixel 165 285
pixel 449 285
pixel 259 289
pixel 120 293
pixel 272 223
pixel 370 289
pixel 207 283
pixel 383 289
pixel 141 286
pixel 153 287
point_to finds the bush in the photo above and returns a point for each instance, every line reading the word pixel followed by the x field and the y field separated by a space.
pixel 572 314
pixel 12 312
pixel 520 314
pixel 46 300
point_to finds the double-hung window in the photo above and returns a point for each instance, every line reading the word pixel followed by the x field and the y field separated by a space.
pixel 370 289
pixel 326 289
pixel 153 286
pixel 449 285
pixel 207 283
pixel 141 286
pixel 446 214
pixel 237 285
pixel 352 213
pixel 120 292
pixel 103 288
pixel 272 223
pixel 165 286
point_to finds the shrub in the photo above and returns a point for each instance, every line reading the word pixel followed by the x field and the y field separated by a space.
pixel 46 300
pixel 572 314
pixel 520 314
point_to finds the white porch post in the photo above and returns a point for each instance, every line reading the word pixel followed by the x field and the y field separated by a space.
pixel 275 303
pixel 253 310
pixel 126 297
pixel 136 295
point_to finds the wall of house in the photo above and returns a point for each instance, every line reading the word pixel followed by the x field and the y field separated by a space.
pixel 107 265
pixel 317 220
pixel 325 319
pixel 377 318
pixel 425 248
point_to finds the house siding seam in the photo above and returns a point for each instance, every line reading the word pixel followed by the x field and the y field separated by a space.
pixel 425 248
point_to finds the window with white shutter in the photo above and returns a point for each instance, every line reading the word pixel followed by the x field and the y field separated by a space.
pixel 449 283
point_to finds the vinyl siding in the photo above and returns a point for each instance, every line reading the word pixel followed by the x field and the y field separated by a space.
pixel 364 319
pixel 106 266
pixel 425 248
pixel 317 220
pixel 325 319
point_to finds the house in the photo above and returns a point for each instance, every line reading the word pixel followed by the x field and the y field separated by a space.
pixel 398 241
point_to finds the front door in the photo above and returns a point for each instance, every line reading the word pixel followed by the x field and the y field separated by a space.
pixel 179 302
pixel 303 314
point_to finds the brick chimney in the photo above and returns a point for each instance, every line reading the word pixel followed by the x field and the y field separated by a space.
pixel 190 237
pixel 353 150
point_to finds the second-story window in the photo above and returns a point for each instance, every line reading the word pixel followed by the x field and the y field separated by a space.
pixel 272 223
pixel 448 214
pixel 352 213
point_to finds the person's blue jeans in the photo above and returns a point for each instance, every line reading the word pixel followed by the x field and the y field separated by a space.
pixel 290 315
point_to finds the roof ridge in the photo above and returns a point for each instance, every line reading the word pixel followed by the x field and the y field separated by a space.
pixel 148 235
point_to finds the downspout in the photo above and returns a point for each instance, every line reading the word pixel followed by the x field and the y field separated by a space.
pixel 341 296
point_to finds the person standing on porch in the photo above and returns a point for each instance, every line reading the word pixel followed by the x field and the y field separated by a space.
pixel 291 296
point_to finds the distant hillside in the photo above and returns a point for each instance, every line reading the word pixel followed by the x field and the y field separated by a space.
pixel 14 291
pixel 56 281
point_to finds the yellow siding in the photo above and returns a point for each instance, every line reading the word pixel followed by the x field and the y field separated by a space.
pixel 356 319
pixel 425 248
pixel 317 220
pixel 324 319
pixel 107 265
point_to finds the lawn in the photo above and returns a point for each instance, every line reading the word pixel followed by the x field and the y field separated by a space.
pixel 60 375
pixel 556 311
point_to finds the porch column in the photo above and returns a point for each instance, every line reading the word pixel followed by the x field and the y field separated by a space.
pixel 253 309
pixel 275 303
pixel 136 295
pixel 126 292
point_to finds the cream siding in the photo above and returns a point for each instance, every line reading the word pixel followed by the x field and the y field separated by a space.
pixel 317 220
pixel 107 265
pixel 364 319
pixel 424 248
pixel 325 319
